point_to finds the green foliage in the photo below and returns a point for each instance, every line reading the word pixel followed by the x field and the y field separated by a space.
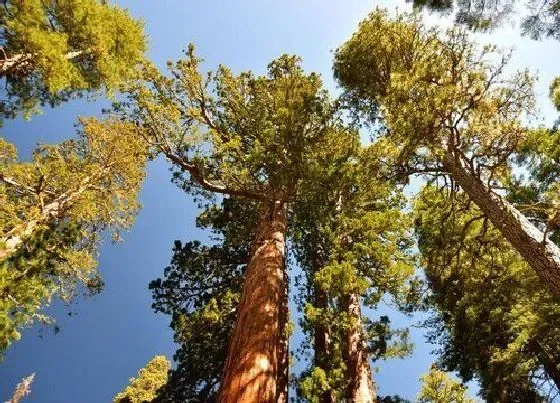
pixel 436 93
pixel 53 50
pixel 438 387
pixel 244 135
pixel 53 212
pixel 494 319
pixel 200 290
pixel 541 19
pixel 144 388
pixel 350 237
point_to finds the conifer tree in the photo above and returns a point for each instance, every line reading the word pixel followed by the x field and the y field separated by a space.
pixel 53 212
pixel 249 137
pixel 53 50
pixel 352 241
pixel 450 111
pixel 494 319
pixel 200 290
pixel 144 388
pixel 438 387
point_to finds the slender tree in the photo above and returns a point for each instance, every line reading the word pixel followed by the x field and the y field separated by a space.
pixel 451 111
pixel 354 250
pixel 53 212
pixel 53 50
pixel 145 387
pixel 250 137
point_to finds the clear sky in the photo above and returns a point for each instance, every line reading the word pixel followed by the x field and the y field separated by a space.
pixel 109 337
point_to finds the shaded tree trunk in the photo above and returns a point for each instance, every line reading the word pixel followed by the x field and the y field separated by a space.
pixel 360 388
pixel 539 252
pixel 321 333
pixel 251 371
pixel 548 362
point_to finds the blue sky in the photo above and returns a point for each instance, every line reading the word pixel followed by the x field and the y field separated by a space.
pixel 109 337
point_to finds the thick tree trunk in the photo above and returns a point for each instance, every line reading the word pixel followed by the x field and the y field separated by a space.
pixel 251 370
pixel 360 388
pixel 321 332
pixel 541 254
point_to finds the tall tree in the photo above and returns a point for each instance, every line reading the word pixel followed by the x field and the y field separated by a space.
pixel 352 240
pixel 53 50
pixel 494 319
pixel 200 290
pixel 250 137
pixel 144 388
pixel 53 212
pixel 449 108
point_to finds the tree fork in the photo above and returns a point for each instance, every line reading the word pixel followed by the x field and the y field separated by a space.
pixel 539 252
pixel 251 370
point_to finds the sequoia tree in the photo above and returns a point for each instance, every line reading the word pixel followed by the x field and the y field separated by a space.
pixel 249 137
pixel 451 110
pixel 352 243
pixel 200 290
pixel 53 212
pixel 53 50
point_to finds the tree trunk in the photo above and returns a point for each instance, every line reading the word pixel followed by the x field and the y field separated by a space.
pixel 21 62
pixel 360 388
pixel 539 252
pixel 321 336
pixel 283 348
pixel 549 363
pixel 251 368
pixel 15 237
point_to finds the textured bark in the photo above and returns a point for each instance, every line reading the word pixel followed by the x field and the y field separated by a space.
pixel 321 336
pixel 360 388
pixel 539 252
pixel 282 382
pixel 251 370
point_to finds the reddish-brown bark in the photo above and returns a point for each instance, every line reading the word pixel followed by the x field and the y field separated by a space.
pixel 253 365
pixel 360 388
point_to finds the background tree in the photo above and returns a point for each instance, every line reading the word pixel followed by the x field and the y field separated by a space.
pixel 249 137
pixel 145 387
pixel 352 243
pixel 438 387
pixel 53 50
pixel 53 212
pixel 450 111
pixel 494 319
pixel 541 19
